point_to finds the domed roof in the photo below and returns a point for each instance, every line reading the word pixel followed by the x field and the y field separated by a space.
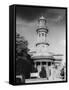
pixel 42 17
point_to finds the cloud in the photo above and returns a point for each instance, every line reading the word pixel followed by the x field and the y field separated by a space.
pixel 30 14
pixel 58 19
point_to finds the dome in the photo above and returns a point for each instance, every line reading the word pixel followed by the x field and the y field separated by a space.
pixel 42 17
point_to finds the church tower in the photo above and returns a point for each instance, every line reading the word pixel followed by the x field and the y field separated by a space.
pixel 42 32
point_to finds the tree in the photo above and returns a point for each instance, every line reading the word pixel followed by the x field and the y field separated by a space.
pixel 23 59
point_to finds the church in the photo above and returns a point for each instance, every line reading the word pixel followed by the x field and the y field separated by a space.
pixel 45 61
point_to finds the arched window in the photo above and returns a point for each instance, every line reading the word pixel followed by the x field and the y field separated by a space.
pixel 39 34
pixel 42 34
pixel 38 63
pixel 45 34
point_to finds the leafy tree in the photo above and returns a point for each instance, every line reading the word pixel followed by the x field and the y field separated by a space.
pixel 23 59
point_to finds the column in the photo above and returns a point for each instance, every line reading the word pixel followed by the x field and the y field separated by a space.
pixel 47 64
pixel 35 64
pixel 40 63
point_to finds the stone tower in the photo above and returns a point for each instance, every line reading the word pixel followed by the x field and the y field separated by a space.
pixel 42 32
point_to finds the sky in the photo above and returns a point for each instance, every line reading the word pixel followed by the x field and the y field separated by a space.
pixel 27 21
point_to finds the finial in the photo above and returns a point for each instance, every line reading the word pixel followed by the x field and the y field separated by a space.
pixel 42 17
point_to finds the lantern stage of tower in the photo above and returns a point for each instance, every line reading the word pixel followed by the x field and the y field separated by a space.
pixel 42 32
